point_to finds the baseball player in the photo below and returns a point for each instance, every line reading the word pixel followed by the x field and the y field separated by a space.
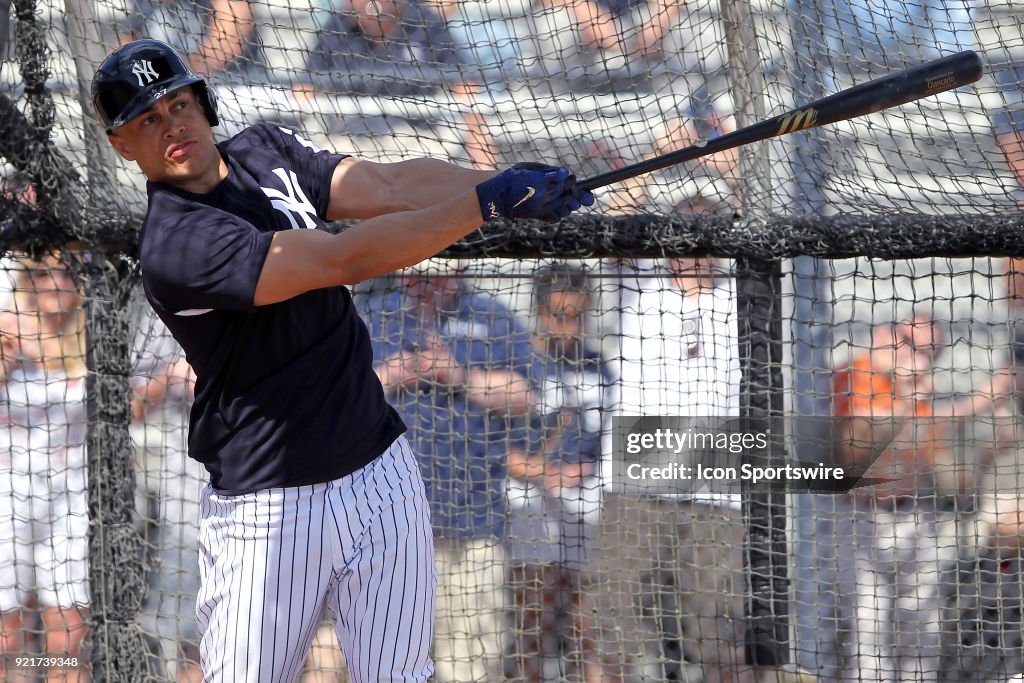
pixel 314 496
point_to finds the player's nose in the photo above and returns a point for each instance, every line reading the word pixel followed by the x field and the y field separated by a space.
pixel 176 125
pixel 175 128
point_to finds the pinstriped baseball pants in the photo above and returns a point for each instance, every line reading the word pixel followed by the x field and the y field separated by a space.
pixel 360 545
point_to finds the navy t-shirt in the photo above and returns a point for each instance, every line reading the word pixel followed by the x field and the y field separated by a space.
pixel 285 393
pixel 462 446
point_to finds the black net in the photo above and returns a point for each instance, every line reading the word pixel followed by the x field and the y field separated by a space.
pixel 846 293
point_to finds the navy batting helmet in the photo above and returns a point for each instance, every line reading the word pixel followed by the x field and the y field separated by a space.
pixel 136 75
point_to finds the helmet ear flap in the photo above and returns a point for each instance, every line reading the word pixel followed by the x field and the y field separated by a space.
pixel 208 100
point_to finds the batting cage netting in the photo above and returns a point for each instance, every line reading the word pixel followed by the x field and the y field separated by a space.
pixel 754 417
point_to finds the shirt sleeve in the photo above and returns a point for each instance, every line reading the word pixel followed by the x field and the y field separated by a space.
pixel 313 166
pixel 198 265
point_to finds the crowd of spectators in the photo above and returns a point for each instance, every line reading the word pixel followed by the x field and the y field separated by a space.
pixel 546 571
pixel 451 54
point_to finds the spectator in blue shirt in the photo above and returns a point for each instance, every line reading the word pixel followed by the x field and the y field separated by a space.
pixel 395 48
pixel 553 488
pixel 384 47
pixel 456 365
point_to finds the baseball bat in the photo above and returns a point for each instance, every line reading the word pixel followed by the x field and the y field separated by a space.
pixel 893 90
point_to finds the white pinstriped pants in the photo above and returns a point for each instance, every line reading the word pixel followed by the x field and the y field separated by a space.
pixel 271 560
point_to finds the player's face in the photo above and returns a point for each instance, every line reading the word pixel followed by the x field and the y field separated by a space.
pixel 172 142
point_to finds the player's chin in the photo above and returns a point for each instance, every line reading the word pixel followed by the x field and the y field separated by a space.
pixel 174 174
pixel 188 168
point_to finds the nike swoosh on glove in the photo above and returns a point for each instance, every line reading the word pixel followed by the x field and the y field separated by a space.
pixel 523 191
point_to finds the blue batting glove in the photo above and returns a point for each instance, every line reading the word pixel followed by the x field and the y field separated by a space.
pixel 570 200
pixel 586 197
pixel 525 191
pixel 562 205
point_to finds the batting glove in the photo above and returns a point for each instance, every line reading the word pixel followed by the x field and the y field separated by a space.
pixel 564 204
pixel 531 190
pixel 571 199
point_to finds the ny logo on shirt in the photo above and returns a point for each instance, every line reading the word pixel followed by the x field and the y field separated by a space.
pixel 292 200
pixel 143 68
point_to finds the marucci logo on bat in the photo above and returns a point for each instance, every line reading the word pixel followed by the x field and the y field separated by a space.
pixel 798 120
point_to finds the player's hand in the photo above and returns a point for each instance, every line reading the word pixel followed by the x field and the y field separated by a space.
pixel 530 190
pixel 571 199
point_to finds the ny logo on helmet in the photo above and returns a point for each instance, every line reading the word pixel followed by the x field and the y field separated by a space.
pixel 143 68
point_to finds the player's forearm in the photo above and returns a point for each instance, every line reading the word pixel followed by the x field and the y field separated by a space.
pixel 386 243
pixel 299 261
pixel 421 183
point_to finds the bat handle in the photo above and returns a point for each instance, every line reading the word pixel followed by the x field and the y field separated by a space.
pixel 607 178
pixel 627 172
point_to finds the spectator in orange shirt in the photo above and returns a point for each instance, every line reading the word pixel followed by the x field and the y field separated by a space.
pixel 878 396
pixel 890 427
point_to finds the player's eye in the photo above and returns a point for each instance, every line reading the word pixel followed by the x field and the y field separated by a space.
pixel 147 120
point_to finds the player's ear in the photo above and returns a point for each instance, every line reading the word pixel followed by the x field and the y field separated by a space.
pixel 121 146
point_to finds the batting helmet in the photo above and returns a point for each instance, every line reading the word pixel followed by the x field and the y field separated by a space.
pixel 139 73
